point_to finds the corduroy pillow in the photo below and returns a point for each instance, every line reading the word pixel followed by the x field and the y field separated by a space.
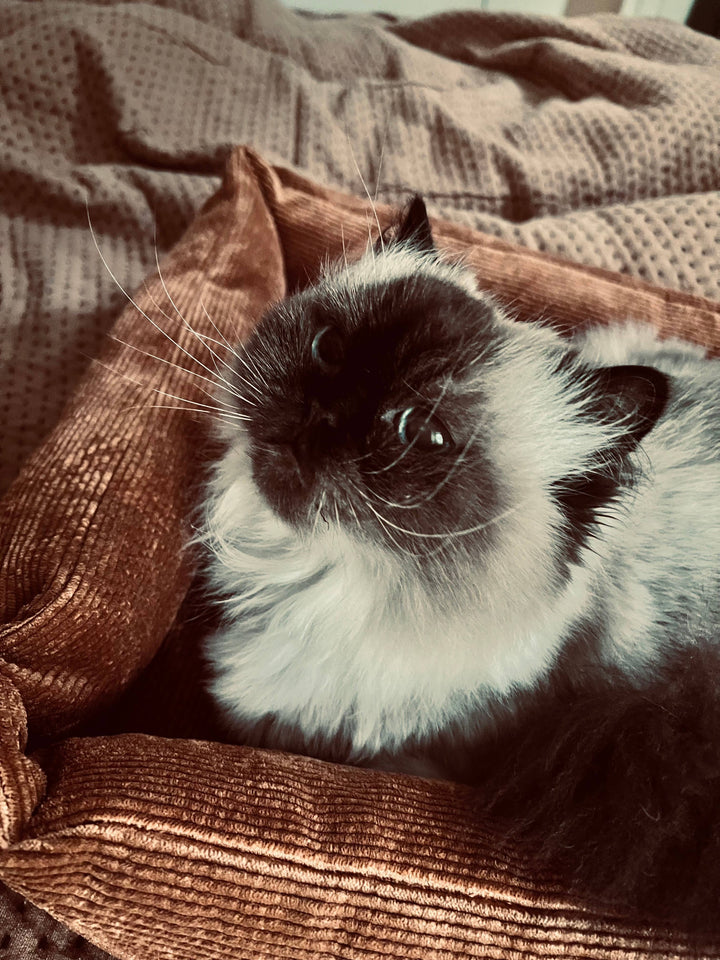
pixel 164 846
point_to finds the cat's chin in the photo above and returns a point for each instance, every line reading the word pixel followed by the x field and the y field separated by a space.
pixel 282 485
pixel 308 510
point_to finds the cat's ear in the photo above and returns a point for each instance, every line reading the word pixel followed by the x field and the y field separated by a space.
pixel 631 398
pixel 413 229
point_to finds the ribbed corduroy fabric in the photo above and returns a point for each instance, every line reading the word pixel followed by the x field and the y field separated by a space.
pixel 160 847
pixel 596 139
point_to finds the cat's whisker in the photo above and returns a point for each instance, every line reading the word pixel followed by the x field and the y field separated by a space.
pixel 415 390
pixel 171 406
pixel 344 250
pixel 448 534
pixel 109 271
pixel 232 350
pixel 382 522
pixel 371 244
pixel 414 505
pixel 354 513
pixel 163 393
pixel 253 370
pixel 208 339
pixel 457 463
pixel 223 342
pixel 382 157
pixel 251 365
pixel 190 373
pixel 367 192
pixel 398 546
pixel 319 511
pixel 363 456
pixel 192 331
pixel 139 308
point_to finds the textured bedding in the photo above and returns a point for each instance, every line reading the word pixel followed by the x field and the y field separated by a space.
pixel 595 140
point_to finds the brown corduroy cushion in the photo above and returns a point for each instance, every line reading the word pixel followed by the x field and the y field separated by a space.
pixel 156 847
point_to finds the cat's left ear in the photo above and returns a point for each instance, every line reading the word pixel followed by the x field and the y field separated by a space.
pixel 631 398
pixel 413 229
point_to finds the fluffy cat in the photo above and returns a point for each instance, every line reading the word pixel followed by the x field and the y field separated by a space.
pixel 458 545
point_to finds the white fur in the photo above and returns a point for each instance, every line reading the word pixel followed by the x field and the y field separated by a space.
pixel 399 263
pixel 331 632
pixel 663 556
pixel 360 639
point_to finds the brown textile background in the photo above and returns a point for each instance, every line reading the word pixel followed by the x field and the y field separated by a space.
pixel 596 139
pixel 183 848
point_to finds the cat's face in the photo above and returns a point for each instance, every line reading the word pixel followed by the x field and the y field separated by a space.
pixel 364 416
pixel 396 401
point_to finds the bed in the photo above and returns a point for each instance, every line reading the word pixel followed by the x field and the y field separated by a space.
pixel 574 162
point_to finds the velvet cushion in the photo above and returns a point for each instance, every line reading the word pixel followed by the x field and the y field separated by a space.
pixel 144 833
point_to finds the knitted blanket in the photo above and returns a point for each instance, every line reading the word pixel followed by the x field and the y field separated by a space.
pixel 597 139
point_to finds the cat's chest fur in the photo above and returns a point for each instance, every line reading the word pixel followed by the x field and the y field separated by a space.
pixel 332 640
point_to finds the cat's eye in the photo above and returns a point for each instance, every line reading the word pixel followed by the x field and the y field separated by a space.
pixel 328 350
pixel 425 432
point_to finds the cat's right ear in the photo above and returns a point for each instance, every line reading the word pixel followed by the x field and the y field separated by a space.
pixel 631 397
pixel 412 230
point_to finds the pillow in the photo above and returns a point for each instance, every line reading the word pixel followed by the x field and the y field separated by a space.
pixel 137 834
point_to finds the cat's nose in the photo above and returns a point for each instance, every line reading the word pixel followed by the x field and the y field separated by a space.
pixel 321 417
pixel 316 436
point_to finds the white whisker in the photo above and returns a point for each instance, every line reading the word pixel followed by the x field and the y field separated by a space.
pixel 251 370
pixel 190 328
pixel 141 311
pixel 457 462
pixel 449 534
pixel 214 413
pixel 382 156
pixel 319 511
pixel 190 373
pixel 342 237
pixel 171 396
pixel 367 192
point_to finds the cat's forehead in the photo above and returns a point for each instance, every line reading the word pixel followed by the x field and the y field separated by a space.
pixel 410 312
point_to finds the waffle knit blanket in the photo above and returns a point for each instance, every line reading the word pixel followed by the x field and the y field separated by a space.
pixel 597 139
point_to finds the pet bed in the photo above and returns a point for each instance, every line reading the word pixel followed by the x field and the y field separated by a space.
pixel 158 845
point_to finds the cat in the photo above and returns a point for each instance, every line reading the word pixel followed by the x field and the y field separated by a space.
pixel 453 544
